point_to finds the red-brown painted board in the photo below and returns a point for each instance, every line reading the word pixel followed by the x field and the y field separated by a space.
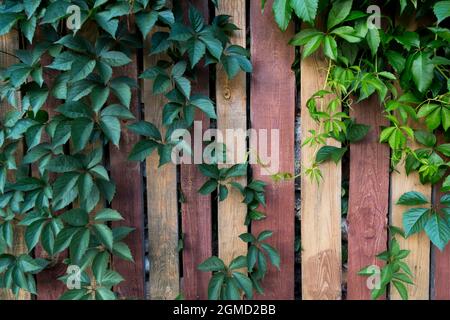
pixel 368 197
pixel 441 258
pixel 129 198
pixel 48 287
pixel 196 209
pixel 273 108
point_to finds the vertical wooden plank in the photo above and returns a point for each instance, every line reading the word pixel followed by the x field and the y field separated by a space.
pixel 9 43
pixel 161 205
pixel 273 88
pixel 47 283
pixel 320 203
pixel 368 197
pixel 129 198
pixel 419 245
pixel 441 258
pixel 231 112
pixel 196 210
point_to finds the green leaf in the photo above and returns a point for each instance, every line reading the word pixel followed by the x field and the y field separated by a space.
pixel 104 234
pixel 244 283
pixel 339 11
pixel 206 105
pixel 414 220
pixel 104 294
pixel 422 70
pixel 215 286
pixel 142 150
pixel 247 237
pixel 328 153
pixel 412 198
pixel 264 235
pixel 63 163
pixel 444 149
pixel 330 47
pixel 282 12
pixel 273 255
pixel 305 9
pixel 425 138
pixel 121 250
pixel 442 10
pixel 33 234
pixel 304 36
pixel 76 217
pixel 75 294
pixel 401 289
pixel 312 45
pixel 223 192
pixel 108 215
pixel 373 40
pixel 55 11
pixel 111 128
pixel 212 264
pixel 146 129
pixel 115 58
pixel 81 130
pixel 357 132
pixel 209 187
pixel 146 21
pixel 79 244
pixel 100 265
pixel 238 263
pixel 438 231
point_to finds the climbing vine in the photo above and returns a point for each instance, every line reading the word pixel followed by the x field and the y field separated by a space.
pixel 397 51
pixel 63 166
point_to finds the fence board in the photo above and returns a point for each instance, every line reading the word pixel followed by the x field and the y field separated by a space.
pixel 368 197
pixel 47 283
pixel 129 198
pixel 162 206
pixel 419 245
pixel 196 209
pixel 320 203
pixel 10 43
pixel 273 107
pixel 231 112
pixel 441 258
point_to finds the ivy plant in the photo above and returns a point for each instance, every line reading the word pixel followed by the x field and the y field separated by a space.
pixel 60 190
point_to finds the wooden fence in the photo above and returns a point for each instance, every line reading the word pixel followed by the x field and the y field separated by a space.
pixel 268 99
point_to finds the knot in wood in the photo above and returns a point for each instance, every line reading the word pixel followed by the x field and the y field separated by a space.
pixel 227 93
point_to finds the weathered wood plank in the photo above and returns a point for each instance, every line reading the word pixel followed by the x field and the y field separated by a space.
pixel 419 244
pixel 273 108
pixel 9 43
pixel 196 209
pixel 129 199
pixel 47 283
pixel 162 205
pixel 441 258
pixel 320 203
pixel 231 111
pixel 368 197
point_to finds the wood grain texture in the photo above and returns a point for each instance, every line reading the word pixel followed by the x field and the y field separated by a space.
pixel 273 107
pixel 129 198
pixel 196 210
pixel 441 258
pixel 10 43
pixel 231 113
pixel 320 203
pixel 419 244
pixel 368 197
pixel 47 283
pixel 162 205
